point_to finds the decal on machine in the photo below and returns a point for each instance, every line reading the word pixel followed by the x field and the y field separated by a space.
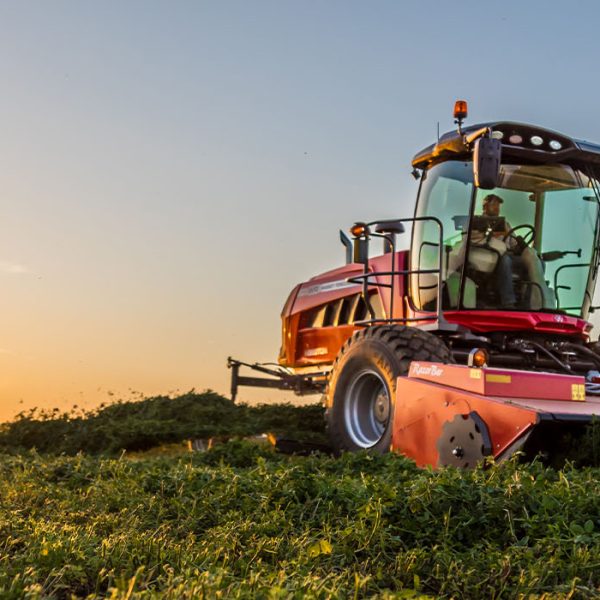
pixel 330 286
pixel 418 369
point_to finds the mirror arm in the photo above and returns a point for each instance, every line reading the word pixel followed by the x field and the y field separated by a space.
pixel 475 135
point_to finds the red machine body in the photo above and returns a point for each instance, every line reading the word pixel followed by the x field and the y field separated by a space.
pixel 507 403
pixel 319 314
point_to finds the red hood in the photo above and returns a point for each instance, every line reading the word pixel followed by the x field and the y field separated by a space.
pixel 484 321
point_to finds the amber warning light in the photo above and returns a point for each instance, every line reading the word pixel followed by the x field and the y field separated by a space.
pixel 359 229
pixel 460 109
pixel 478 357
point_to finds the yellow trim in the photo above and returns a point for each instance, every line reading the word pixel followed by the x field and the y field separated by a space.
pixel 498 378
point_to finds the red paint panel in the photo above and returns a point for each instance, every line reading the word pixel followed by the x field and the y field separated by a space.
pixel 309 295
pixel 422 408
pixel 383 264
pixel 287 307
pixel 502 382
pixel 321 345
pixel 289 332
pixel 497 320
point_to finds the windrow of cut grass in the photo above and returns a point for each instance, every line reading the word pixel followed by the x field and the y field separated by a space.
pixel 144 424
pixel 240 521
pixel 153 422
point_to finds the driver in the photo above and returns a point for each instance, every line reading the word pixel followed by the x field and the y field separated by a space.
pixel 515 254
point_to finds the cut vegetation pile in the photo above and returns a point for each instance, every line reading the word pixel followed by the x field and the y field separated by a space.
pixel 155 421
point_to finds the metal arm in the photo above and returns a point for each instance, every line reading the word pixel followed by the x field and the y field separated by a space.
pixel 313 383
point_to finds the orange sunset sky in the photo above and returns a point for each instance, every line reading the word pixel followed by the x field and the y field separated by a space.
pixel 169 171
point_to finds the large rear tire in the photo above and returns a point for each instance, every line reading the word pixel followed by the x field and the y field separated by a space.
pixel 362 383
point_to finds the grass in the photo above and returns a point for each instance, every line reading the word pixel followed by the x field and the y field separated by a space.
pixel 242 521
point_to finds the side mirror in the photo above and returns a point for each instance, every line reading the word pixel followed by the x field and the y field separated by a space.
pixel 390 226
pixel 486 162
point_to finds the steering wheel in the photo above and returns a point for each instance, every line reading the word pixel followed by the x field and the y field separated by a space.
pixel 529 236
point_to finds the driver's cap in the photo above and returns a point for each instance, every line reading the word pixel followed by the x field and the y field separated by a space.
pixel 493 197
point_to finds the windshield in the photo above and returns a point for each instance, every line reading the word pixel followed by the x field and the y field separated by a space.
pixel 527 245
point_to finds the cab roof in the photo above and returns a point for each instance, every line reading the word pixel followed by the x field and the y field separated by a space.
pixel 519 140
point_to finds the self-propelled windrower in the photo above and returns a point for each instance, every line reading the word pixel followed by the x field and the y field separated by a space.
pixel 474 342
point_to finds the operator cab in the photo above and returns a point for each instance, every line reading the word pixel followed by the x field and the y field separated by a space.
pixel 527 242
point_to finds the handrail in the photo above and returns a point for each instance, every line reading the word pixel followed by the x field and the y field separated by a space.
pixel 366 275
pixel 556 287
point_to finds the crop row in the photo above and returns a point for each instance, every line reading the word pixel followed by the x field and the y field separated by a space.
pixel 243 521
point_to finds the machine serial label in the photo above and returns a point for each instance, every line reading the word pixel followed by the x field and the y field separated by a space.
pixel 578 392
pixel 330 286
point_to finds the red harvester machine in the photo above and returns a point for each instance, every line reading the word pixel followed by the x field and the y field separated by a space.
pixel 475 341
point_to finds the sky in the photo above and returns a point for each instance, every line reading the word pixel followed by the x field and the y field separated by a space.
pixel 170 170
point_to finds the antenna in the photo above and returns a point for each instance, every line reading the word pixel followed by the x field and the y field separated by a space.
pixel 438 131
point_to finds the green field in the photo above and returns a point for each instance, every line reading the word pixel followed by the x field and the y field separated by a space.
pixel 243 521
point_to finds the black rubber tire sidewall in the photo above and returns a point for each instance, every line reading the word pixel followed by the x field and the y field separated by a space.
pixel 372 356
pixel 387 351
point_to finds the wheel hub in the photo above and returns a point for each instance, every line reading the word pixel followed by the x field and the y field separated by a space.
pixel 367 408
pixel 382 408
